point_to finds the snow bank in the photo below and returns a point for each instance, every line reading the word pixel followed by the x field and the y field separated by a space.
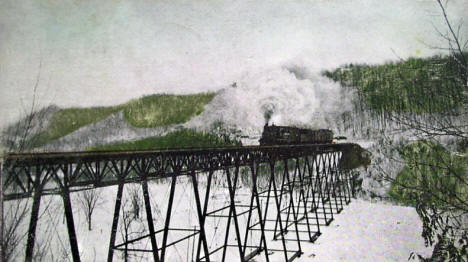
pixel 367 231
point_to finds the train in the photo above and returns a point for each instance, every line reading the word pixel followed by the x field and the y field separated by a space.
pixel 289 135
pixel 354 156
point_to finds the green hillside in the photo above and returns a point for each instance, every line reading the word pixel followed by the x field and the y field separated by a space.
pixel 184 138
pixel 431 172
pixel 65 121
pixel 418 85
pixel 149 111
pixel 161 110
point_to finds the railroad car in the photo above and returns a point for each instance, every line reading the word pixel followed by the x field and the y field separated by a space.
pixel 288 135
pixel 354 156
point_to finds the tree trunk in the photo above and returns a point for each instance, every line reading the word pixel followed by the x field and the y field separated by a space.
pixel 89 223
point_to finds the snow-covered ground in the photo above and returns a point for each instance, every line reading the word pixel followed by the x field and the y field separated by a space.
pixel 364 231
pixel 369 231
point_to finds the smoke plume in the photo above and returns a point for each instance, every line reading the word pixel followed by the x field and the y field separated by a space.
pixel 282 96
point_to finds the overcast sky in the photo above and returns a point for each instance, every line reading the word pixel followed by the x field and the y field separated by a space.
pixel 106 52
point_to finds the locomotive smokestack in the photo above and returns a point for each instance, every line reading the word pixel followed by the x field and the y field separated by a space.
pixel 268 111
pixel 267 116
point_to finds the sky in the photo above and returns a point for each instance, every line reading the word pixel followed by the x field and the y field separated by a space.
pixel 90 53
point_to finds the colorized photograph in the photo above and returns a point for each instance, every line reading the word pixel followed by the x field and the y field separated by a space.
pixel 233 130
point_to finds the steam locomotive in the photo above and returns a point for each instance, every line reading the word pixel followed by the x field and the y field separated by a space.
pixel 288 135
pixel 353 156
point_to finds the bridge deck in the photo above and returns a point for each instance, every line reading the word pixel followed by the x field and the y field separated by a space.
pixel 34 158
pixel 82 170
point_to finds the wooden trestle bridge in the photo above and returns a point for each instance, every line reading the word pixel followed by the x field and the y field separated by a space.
pixel 293 191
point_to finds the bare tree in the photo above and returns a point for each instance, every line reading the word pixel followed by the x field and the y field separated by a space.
pixel 19 137
pixel 130 225
pixel 127 220
pixel 452 121
pixel 15 214
pixel 455 45
pixel 135 194
pixel 439 180
pixel 88 201
pixel 15 138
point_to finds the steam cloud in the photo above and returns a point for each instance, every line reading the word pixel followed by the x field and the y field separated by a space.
pixel 282 96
